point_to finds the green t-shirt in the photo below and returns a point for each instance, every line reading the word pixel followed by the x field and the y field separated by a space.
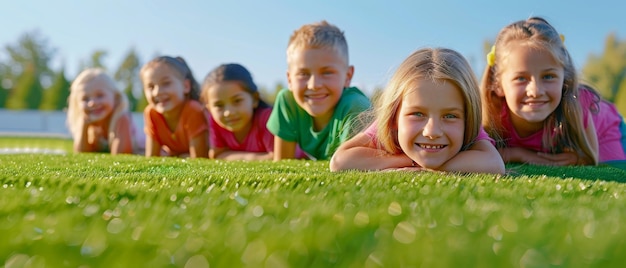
pixel 292 123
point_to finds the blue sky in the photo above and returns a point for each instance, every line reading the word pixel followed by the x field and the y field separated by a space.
pixel 380 34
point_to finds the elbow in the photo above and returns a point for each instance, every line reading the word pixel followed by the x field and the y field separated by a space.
pixel 336 163
pixel 498 167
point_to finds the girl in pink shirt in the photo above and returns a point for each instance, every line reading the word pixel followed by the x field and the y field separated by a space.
pixel 535 107
pixel 427 118
pixel 238 115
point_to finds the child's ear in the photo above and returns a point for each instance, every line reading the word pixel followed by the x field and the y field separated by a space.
pixel 187 86
pixel 255 100
pixel 349 74
pixel 498 90
pixel 288 80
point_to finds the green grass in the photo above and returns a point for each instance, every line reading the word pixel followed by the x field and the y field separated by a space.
pixel 97 210
pixel 54 145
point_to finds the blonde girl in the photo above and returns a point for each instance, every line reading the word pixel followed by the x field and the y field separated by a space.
pixel 175 121
pixel 238 115
pixel 98 116
pixel 428 117
pixel 535 107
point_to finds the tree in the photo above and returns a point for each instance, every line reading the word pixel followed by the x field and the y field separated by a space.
pixel 25 70
pixel 95 60
pixel 3 92
pixel 607 71
pixel 127 75
pixel 55 96
pixel 27 92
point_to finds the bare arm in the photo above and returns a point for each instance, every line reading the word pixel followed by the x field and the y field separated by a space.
pixel 81 143
pixel 121 140
pixel 284 149
pixel 361 153
pixel 153 148
pixel 226 154
pixel 198 147
pixel 481 157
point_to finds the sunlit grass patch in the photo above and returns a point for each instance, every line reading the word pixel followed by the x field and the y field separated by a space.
pixel 102 210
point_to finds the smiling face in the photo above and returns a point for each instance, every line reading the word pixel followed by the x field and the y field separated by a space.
pixel 232 107
pixel 531 84
pixel 431 122
pixel 97 101
pixel 164 88
pixel 317 77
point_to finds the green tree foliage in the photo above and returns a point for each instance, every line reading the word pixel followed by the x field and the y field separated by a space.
pixel 55 96
pixel 26 68
pixel 27 92
pixel 3 92
pixel 95 61
pixel 607 71
pixel 127 75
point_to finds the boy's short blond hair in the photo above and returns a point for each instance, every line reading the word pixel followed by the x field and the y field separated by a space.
pixel 318 35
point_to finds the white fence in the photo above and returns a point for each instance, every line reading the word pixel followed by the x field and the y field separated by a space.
pixel 41 123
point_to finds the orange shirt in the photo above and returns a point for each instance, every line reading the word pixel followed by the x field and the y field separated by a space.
pixel 192 122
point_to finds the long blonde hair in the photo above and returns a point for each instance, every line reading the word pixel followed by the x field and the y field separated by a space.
pixel 74 112
pixel 563 127
pixel 435 64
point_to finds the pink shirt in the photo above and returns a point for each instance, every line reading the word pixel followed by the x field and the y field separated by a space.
pixel 606 122
pixel 373 128
pixel 259 139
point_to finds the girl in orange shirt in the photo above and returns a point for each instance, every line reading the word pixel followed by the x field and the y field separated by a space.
pixel 175 122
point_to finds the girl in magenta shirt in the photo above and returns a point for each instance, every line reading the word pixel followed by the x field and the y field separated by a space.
pixel 238 115
pixel 535 107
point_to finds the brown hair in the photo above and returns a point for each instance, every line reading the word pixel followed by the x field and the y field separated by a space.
pixel 566 121
pixel 181 67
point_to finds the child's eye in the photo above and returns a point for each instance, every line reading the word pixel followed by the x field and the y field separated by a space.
pixel 520 79
pixel 418 114
pixel 237 101
pixel 450 116
pixel 549 76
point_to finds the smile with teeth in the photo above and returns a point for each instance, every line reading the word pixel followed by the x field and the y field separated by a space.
pixel 316 97
pixel 430 146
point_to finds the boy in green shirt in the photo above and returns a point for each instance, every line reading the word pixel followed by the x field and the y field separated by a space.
pixel 318 110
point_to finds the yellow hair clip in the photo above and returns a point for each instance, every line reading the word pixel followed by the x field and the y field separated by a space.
pixel 491 56
pixel 562 38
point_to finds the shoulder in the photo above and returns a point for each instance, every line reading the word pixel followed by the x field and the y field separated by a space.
pixel 284 96
pixel 262 114
pixel 353 99
pixel 193 105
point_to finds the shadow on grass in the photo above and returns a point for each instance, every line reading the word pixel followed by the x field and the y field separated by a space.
pixel 608 171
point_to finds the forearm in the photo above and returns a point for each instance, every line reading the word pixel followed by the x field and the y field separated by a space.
pixel 475 162
pixel 81 143
pixel 283 149
pixel 153 148
pixel 481 157
pixel 242 155
pixel 364 158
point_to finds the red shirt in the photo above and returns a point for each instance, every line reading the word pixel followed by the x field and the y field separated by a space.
pixel 192 122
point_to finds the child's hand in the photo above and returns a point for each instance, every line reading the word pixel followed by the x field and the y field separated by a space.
pixel 562 159
pixel 523 155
